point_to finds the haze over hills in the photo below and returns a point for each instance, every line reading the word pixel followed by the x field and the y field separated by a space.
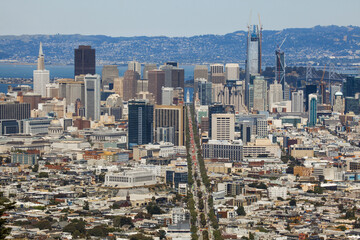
pixel 318 44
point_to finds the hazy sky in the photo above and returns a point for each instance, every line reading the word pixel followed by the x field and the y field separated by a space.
pixel 168 17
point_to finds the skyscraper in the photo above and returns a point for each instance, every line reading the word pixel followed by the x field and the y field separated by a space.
pixel 135 66
pixel 156 80
pixel 119 86
pixel 167 95
pixel 171 117
pixel 232 71
pixel 174 76
pixel 205 92
pixel 109 73
pixel 217 73
pixel 140 127
pixel 218 108
pixel 41 76
pixel 312 110
pixel 309 89
pixel 280 69
pixel 84 60
pixel 275 94
pixel 223 126
pixel 92 96
pixel 130 84
pixel 339 103
pixel 148 67
pixel 297 101
pixel 253 57
pixel 260 94
pixel 201 71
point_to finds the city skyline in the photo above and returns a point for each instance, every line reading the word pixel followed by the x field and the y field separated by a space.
pixel 184 19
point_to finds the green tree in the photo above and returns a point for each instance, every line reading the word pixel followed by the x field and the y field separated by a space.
pixel 5 206
pixel 35 168
pixel 140 236
pixel 292 202
pixel 43 175
pixel 44 224
pixel 342 228
pixel 153 209
pixel 241 211
pixel 86 205
pixel 161 234
pixel 205 234
pixel 98 231
pixel 76 228
pixel 202 220
pixel 121 221
pixel 251 236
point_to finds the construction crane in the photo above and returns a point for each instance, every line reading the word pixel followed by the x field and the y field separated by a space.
pixel 322 85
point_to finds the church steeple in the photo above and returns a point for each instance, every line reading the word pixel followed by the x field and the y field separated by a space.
pixel 40 62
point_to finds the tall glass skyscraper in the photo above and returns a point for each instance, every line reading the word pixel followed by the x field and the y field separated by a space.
pixel 140 127
pixel 253 57
pixel 84 60
pixel 312 110
pixel 92 96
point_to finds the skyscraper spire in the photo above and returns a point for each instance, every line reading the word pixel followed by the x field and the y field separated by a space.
pixel 41 50
pixel 40 62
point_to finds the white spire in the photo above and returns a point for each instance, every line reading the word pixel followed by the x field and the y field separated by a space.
pixel 41 50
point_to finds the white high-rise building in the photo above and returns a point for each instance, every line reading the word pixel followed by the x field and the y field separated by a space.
pixel 167 95
pixel 260 94
pixel 232 71
pixel 275 94
pixel 297 101
pixel 135 66
pixel 41 76
pixel 223 126
pixel 92 96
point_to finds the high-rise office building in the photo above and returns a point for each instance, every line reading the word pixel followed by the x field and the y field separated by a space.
pixel 156 79
pixel 201 71
pixel 205 92
pixel 84 60
pixel 217 73
pixel 275 94
pixel 339 103
pixel 148 67
pixel 171 117
pixel 352 104
pixel 109 73
pixel 140 126
pixel 174 76
pixel 312 110
pixel 297 101
pixel 246 131
pixel 261 127
pixel 260 94
pixel 92 96
pixel 119 86
pixel 130 84
pixel 309 89
pixel 223 126
pixel 351 86
pixel 333 90
pixel 232 71
pixel 218 108
pixel 135 66
pixel 167 95
pixel 253 57
pixel 280 69
pixel 40 75
pixel 14 110
pixel 72 89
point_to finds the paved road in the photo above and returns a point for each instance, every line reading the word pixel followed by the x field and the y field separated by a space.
pixel 196 189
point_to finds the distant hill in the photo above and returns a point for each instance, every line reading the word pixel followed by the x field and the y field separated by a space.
pixel 319 44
